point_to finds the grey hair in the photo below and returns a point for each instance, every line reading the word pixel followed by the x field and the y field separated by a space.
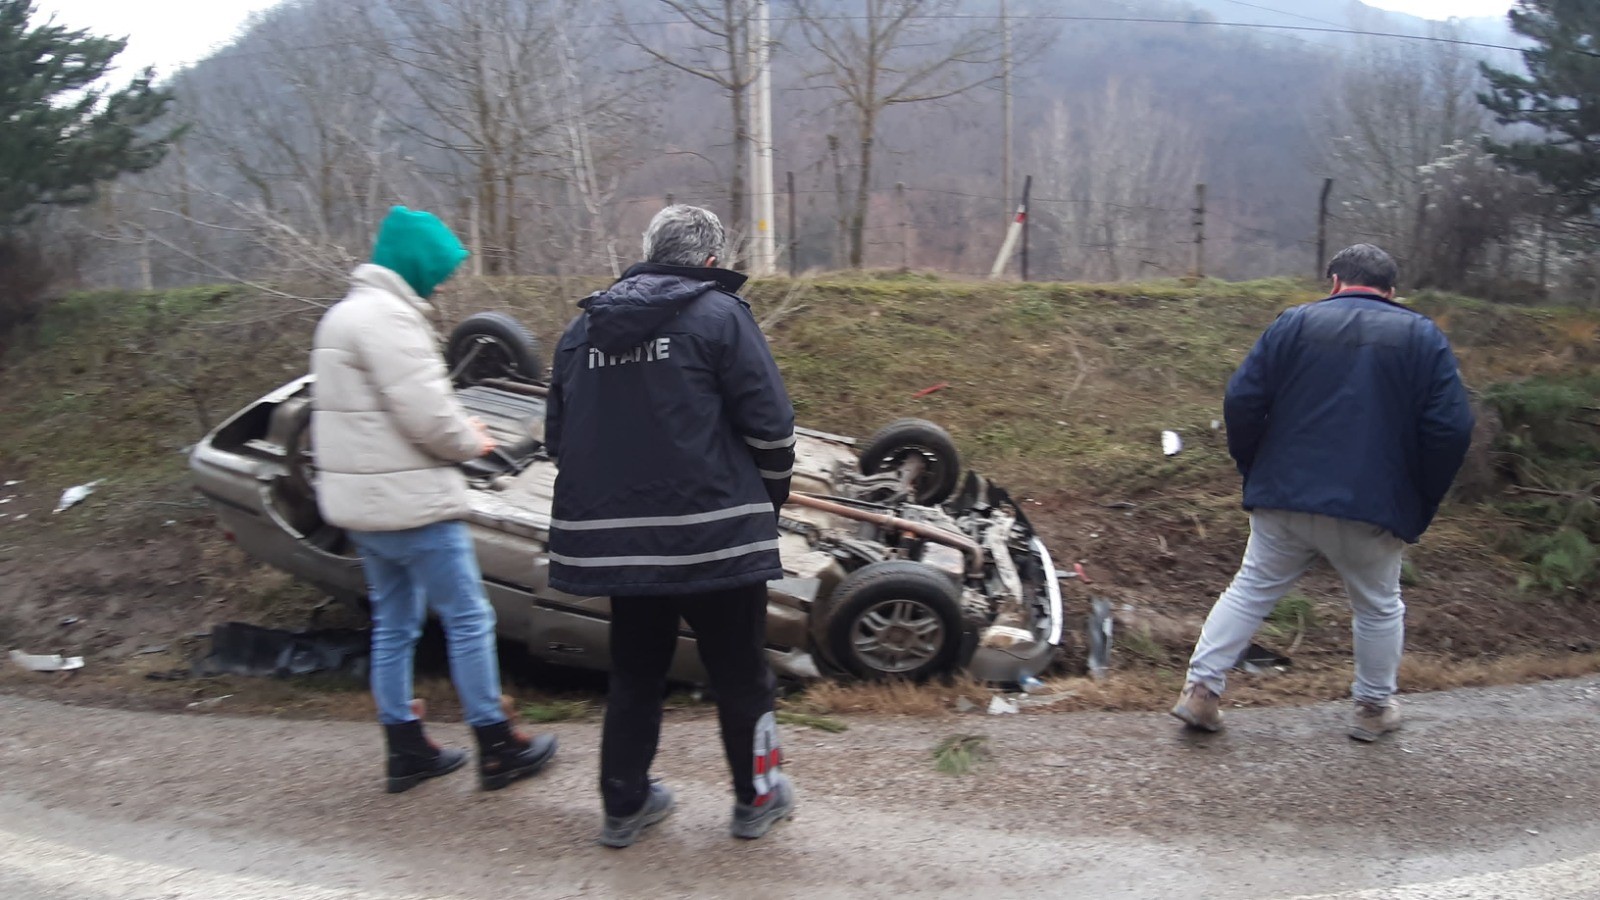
pixel 1365 265
pixel 683 236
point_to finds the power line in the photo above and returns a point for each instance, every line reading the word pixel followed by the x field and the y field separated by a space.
pixel 1042 17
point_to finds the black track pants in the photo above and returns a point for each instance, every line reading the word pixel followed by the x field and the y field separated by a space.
pixel 730 627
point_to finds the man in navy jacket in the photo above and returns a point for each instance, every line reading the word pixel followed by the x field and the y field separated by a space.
pixel 675 439
pixel 1348 421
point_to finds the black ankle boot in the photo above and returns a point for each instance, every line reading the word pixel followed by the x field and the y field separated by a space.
pixel 414 759
pixel 505 756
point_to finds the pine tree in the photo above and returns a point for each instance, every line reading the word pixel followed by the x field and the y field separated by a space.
pixel 1560 95
pixel 62 129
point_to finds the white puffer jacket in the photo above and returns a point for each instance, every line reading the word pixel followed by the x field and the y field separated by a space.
pixel 386 426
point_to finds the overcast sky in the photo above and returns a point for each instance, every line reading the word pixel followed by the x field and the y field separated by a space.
pixel 1442 9
pixel 164 33
pixel 171 33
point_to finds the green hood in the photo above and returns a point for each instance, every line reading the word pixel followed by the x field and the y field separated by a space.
pixel 419 248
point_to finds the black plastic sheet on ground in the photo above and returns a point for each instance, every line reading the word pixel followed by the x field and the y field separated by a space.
pixel 238 648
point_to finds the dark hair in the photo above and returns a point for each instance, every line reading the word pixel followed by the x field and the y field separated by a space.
pixel 1365 265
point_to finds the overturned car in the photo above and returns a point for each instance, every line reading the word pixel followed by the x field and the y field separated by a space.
pixel 897 562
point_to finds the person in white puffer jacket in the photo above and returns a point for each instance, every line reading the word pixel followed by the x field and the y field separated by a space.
pixel 388 433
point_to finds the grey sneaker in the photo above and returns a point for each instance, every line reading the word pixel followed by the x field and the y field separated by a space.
pixel 1374 720
pixel 622 831
pixel 1199 707
pixel 751 822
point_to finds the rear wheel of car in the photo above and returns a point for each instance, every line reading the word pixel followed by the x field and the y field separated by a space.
pixel 894 619
pixel 491 345
pixel 921 443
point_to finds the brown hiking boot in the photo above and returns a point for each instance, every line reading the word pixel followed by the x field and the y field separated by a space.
pixel 1199 707
pixel 1374 720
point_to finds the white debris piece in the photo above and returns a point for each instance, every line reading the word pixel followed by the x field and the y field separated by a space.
pixel 1000 706
pixel 1171 444
pixel 12 483
pixel 72 496
pixel 50 663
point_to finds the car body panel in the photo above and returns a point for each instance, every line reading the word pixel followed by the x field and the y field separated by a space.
pixel 243 469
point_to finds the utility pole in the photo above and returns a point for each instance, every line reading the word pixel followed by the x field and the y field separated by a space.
pixel 764 253
pixel 1005 80
pixel 794 234
pixel 1322 229
pixel 1199 231
pixel 1027 194
pixel 1419 273
pixel 905 227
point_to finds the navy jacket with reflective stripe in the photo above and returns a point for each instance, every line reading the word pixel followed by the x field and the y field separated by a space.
pixel 1350 407
pixel 674 438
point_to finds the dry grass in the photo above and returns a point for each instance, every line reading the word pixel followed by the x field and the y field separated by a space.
pixel 1147 689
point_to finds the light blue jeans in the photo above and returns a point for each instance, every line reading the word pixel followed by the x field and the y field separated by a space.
pixel 1283 545
pixel 409 572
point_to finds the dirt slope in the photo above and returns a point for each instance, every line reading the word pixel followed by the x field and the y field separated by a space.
pixel 1060 391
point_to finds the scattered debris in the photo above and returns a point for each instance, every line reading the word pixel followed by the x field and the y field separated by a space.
pixel 1000 706
pixel 934 389
pixel 207 704
pixel 1533 831
pixel 69 620
pixel 72 496
pixel 1171 444
pixel 238 648
pixel 1256 660
pixel 20 517
pixel 50 663
pixel 1077 569
pixel 153 648
pixel 6 499
pixel 12 483
pixel 1100 626
pixel 1035 701
pixel 1216 424
pixel 1030 685
pixel 963 705
pixel 958 753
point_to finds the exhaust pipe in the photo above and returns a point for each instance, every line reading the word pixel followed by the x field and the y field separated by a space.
pixel 966 545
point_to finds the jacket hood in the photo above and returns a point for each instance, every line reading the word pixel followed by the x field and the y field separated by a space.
pixel 419 248
pixel 648 296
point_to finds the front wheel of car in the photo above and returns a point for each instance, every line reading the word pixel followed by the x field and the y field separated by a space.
pixel 923 452
pixel 491 345
pixel 893 619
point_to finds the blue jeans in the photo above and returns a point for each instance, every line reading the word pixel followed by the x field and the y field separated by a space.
pixel 409 572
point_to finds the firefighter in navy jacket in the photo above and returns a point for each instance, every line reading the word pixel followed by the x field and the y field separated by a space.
pixel 675 441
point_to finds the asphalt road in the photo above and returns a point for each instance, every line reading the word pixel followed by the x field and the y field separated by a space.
pixel 1488 793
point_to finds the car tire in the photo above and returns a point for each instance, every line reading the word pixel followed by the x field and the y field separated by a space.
pixel 504 350
pixel 895 442
pixel 892 619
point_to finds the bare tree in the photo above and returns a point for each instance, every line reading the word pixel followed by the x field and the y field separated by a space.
pixel 886 53
pixel 475 68
pixel 717 51
pixel 1399 110
pixel 1114 171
